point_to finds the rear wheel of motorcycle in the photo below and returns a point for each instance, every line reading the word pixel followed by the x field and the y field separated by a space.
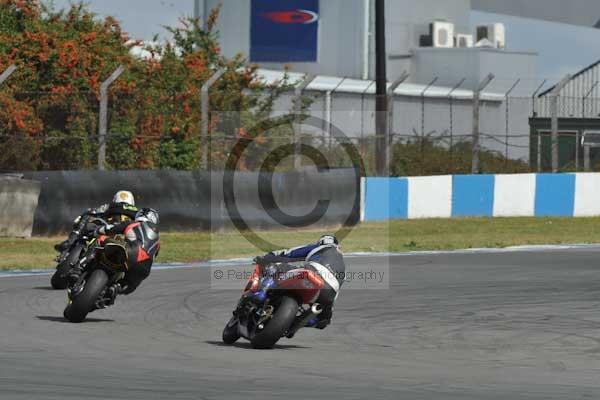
pixel 84 302
pixel 59 279
pixel 231 332
pixel 280 322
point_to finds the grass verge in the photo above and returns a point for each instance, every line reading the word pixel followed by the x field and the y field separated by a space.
pixel 395 236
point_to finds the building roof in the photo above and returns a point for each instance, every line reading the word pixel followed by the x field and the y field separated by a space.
pixel 573 77
pixel 357 86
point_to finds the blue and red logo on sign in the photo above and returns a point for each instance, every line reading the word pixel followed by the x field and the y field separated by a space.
pixel 292 17
pixel 284 31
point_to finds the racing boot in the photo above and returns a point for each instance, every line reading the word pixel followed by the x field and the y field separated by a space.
pixel 323 319
pixel 109 296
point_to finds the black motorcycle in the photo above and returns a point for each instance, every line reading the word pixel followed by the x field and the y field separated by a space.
pixel 70 256
pixel 92 291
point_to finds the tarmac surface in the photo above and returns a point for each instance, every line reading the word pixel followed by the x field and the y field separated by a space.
pixel 523 325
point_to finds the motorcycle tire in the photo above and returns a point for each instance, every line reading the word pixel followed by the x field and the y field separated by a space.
pixel 59 279
pixel 84 302
pixel 276 327
pixel 231 332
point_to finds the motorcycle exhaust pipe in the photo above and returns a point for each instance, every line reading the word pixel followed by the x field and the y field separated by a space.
pixel 316 309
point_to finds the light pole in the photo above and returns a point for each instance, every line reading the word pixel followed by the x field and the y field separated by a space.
pixel 381 106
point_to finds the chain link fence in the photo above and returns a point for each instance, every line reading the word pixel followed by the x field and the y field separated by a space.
pixel 430 131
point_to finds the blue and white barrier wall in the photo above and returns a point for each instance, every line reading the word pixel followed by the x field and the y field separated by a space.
pixel 526 195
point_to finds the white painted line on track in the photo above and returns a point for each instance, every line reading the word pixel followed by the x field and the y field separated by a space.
pixel 247 261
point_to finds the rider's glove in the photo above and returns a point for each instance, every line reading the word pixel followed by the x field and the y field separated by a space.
pixel 258 260
pixel 267 259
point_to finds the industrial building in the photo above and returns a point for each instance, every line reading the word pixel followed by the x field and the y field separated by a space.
pixel 576 105
pixel 432 40
pixel 427 38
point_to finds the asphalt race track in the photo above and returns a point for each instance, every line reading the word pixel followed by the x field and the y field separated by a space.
pixel 520 325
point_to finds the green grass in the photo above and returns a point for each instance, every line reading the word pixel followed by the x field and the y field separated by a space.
pixel 396 236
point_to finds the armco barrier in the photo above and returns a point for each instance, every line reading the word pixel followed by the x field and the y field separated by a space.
pixel 194 200
pixel 539 195
pixel 18 202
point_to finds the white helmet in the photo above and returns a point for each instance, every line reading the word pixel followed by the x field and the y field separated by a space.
pixel 328 240
pixel 124 196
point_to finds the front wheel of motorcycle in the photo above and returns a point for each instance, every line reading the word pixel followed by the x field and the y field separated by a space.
pixel 84 302
pixel 231 332
pixel 282 319
pixel 59 279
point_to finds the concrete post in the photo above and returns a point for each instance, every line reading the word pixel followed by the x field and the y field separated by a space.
pixel 476 133
pixel 390 132
pixel 403 77
pixel 451 104
pixel 507 108
pixel 298 92
pixel 362 118
pixel 534 113
pixel 586 158
pixel 539 152
pixel 103 122
pixel 8 72
pixel 554 117
pixel 329 112
pixel 205 105
pixel 583 116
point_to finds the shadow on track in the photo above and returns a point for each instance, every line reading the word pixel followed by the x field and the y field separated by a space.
pixel 61 319
pixel 248 346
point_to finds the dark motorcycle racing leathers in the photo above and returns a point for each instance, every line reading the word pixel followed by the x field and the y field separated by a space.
pixel 140 240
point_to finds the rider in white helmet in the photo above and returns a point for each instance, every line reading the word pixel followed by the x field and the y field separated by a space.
pixel 121 209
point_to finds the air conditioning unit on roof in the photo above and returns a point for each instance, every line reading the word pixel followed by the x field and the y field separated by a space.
pixel 442 34
pixel 495 33
pixel 464 41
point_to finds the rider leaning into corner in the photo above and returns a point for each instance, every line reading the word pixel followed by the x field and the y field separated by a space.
pixel 137 240
pixel 325 258
pixel 121 209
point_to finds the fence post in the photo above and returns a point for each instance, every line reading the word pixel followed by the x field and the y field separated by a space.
pixel 404 76
pixel 476 103
pixel 103 122
pixel 204 105
pixel 507 106
pixel 329 113
pixel 554 117
pixel 586 158
pixel 362 118
pixel 534 113
pixel 583 115
pixel 422 144
pixel 298 92
pixel 390 133
pixel 451 103
pixel 539 152
pixel 8 72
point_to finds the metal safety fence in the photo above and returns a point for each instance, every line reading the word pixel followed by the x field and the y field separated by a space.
pixel 431 130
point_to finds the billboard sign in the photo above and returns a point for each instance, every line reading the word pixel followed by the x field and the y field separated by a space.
pixel 284 31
